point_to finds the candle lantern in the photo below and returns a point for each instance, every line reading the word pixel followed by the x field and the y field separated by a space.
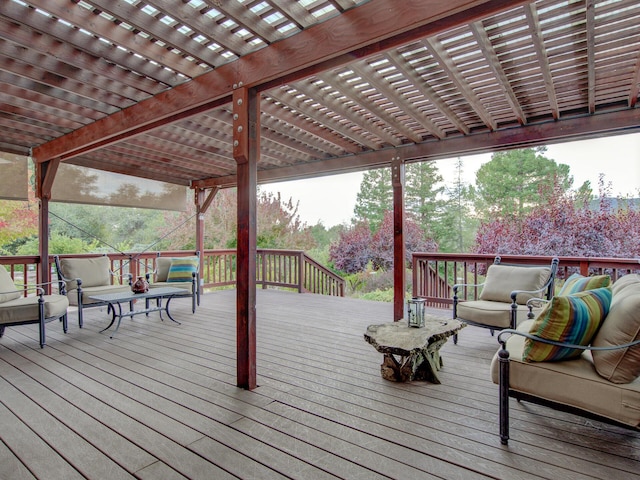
pixel 415 309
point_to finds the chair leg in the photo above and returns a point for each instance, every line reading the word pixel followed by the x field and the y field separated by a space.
pixel 1 331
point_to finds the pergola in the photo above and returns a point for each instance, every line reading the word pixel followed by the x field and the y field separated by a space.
pixel 217 93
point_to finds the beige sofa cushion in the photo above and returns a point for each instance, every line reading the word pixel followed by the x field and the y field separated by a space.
pixel 503 279
pixel 27 308
pixel 621 326
pixel 92 271
pixel 91 291
pixel 571 382
pixel 8 290
pixel 492 314
pixel 162 268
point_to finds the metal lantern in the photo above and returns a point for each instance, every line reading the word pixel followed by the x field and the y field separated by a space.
pixel 415 308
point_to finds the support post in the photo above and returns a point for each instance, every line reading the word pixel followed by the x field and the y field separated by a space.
pixel 203 202
pixel 246 115
pixel 45 174
pixel 399 279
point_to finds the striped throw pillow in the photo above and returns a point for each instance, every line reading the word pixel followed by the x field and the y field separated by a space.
pixel 569 318
pixel 182 269
pixel 578 283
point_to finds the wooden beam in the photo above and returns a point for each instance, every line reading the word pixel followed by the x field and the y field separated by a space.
pixel 45 176
pixel 530 135
pixel 399 279
pixel 246 151
pixel 375 26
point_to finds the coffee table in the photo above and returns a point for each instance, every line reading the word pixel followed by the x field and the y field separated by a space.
pixel 418 349
pixel 115 301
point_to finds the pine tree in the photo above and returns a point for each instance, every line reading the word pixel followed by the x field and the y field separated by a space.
pixel 374 198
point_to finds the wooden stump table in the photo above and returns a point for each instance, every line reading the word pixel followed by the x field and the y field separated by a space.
pixel 418 349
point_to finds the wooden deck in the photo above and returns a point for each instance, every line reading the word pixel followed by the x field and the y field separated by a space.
pixel 159 401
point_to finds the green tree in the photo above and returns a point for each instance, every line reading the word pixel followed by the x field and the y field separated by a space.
pixel 423 187
pixel 455 232
pixel 374 198
pixel 510 185
pixel 59 245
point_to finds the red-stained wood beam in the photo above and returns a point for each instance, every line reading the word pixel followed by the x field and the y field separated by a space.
pixel 246 151
pixel 399 280
pixel 531 135
pixel 375 26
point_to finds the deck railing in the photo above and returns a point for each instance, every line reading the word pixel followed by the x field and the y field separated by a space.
pixel 434 274
pixel 292 269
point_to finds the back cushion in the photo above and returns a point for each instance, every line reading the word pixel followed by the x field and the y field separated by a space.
pixel 503 279
pixel 8 290
pixel 621 326
pixel 578 283
pixel 162 268
pixel 94 271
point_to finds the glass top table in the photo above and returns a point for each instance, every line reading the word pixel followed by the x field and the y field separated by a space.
pixel 115 301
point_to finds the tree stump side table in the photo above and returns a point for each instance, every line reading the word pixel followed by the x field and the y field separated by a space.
pixel 418 349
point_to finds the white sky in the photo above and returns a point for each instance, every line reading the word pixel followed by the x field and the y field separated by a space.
pixel 331 199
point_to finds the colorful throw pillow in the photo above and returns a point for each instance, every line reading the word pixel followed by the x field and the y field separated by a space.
pixel 182 269
pixel 578 283
pixel 571 319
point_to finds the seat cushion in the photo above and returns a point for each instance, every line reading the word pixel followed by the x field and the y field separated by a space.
pixel 579 283
pixel 8 290
pixel 569 319
pixel 187 286
pixel 26 309
pixel 501 280
pixel 92 271
pixel 571 382
pixel 491 314
pixel 621 326
pixel 90 291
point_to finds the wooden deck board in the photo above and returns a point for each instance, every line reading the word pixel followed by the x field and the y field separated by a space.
pixel 159 401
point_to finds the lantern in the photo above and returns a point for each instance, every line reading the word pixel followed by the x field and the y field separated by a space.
pixel 415 308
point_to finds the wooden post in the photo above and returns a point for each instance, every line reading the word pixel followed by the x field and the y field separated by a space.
pixel 246 152
pixel 45 174
pixel 203 202
pixel 399 281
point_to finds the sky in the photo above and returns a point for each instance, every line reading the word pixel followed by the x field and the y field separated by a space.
pixel 331 199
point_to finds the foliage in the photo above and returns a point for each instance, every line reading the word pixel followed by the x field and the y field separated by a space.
pixel 18 220
pixel 510 185
pixel 379 295
pixel 382 242
pixel 374 198
pixel 356 247
pixel 111 228
pixel 455 230
pixel 58 245
pixel 352 251
pixel 566 225
pixel 423 186
pixel 278 224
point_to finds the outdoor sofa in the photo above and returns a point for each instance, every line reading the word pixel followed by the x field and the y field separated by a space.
pixel 580 354
pixel 505 295
pixel 81 278
pixel 178 272
pixel 18 309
